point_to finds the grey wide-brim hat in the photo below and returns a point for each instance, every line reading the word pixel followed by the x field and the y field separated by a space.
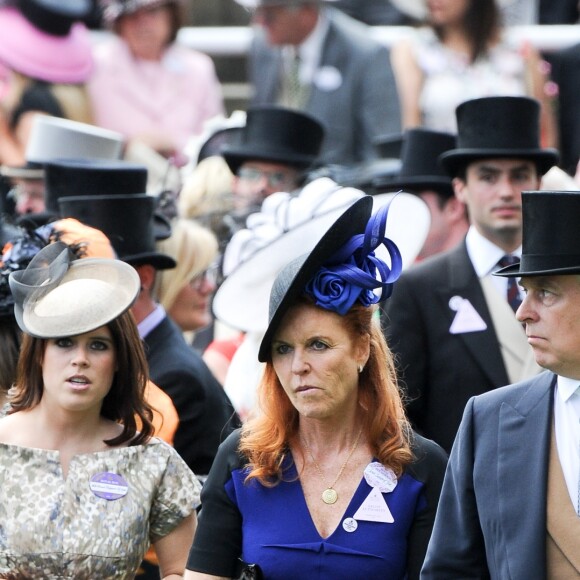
pixel 58 296
pixel 550 235
pixel 292 279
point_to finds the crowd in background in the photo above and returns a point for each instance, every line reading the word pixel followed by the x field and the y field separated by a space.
pixel 116 140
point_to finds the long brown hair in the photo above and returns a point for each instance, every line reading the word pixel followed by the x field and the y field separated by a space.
pixel 125 401
pixel 265 439
pixel 481 26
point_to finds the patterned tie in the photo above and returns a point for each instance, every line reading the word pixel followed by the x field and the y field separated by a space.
pixel 513 292
pixel 293 91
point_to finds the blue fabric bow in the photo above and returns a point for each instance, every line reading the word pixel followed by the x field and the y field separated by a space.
pixel 354 272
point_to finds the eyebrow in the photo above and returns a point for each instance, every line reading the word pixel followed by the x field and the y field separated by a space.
pixel 524 166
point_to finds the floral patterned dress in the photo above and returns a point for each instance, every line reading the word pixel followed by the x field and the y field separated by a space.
pixel 96 523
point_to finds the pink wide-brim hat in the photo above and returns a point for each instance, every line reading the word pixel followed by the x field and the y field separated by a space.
pixel 37 54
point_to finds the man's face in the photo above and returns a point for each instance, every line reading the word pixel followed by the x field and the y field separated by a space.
pixel 283 25
pixel 28 196
pixel 257 180
pixel 443 219
pixel 551 313
pixel 492 192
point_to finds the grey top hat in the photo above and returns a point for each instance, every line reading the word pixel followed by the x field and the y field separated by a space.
pixel 498 127
pixel 551 237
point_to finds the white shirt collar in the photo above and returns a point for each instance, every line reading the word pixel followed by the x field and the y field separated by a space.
pixel 567 387
pixel 151 321
pixel 484 255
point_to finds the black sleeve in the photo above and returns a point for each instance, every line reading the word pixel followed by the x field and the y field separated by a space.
pixel 217 545
pixel 429 468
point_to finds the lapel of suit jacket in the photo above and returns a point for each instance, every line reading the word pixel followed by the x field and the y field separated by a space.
pixel 523 452
pixel 483 345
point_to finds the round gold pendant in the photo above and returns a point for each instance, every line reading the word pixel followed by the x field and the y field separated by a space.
pixel 329 496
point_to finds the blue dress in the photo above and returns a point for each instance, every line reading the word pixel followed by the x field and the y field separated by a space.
pixel 272 527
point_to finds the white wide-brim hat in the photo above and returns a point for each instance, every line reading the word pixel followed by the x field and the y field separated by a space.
pixel 58 296
pixel 251 4
pixel 418 10
pixel 289 226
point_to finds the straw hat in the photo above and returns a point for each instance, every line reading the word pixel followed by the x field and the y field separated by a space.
pixel 59 296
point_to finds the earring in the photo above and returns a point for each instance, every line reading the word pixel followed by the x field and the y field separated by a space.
pixel 360 369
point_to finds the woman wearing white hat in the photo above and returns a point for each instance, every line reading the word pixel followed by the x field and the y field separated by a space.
pixel 84 488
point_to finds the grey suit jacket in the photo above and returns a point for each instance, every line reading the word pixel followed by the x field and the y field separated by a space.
pixel 491 518
pixel 364 106
pixel 440 371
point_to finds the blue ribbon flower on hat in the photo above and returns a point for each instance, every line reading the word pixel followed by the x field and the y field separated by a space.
pixel 355 273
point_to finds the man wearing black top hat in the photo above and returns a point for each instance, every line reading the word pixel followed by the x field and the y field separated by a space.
pixel 272 153
pixel 422 175
pixel 510 503
pixel 449 322
pixel 206 415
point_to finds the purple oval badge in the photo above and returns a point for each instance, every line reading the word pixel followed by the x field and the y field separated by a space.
pixel 109 486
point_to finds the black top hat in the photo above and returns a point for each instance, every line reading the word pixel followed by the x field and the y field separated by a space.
pixel 127 220
pixel 73 177
pixel 292 279
pixel 502 127
pixel 551 238
pixel 420 169
pixel 278 135
pixel 54 17
pixel 389 146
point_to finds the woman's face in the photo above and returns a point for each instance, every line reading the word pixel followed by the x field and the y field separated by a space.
pixel 78 371
pixel 447 12
pixel 191 308
pixel 147 31
pixel 316 361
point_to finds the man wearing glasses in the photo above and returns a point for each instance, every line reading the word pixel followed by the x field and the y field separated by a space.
pixel 276 148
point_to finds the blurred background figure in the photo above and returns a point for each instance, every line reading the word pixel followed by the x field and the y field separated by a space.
pixel 317 59
pixel 375 12
pixel 145 85
pixel 277 146
pixel 45 60
pixel 186 290
pixel 462 54
pixel 52 138
pixel 422 175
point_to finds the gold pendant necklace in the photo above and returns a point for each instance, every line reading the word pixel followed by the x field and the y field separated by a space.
pixel 329 495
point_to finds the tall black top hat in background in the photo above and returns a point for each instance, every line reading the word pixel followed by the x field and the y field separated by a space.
pixel 278 135
pixel 73 177
pixel 420 168
pixel 499 127
pixel 127 220
pixel 551 237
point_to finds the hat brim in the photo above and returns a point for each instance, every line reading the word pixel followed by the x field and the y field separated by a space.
pixel 28 171
pixel 515 272
pixel 438 183
pixel 353 221
pixel 92 293
pixel 157 260
pixel 37 54
pixel 453 161
pixel 235 157
pixel 242 299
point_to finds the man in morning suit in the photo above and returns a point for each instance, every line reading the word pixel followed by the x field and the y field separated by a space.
pixel 308 56
pixel 449 322
pixel 510 504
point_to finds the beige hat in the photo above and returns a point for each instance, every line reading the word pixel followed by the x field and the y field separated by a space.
pixel 59 296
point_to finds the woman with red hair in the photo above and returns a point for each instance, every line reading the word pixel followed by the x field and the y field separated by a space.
pixel 329 480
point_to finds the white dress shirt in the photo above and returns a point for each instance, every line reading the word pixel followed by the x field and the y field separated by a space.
pixel 567 425
pixel 485 255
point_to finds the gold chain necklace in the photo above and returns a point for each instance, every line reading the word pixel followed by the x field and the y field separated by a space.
pixel 329 495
